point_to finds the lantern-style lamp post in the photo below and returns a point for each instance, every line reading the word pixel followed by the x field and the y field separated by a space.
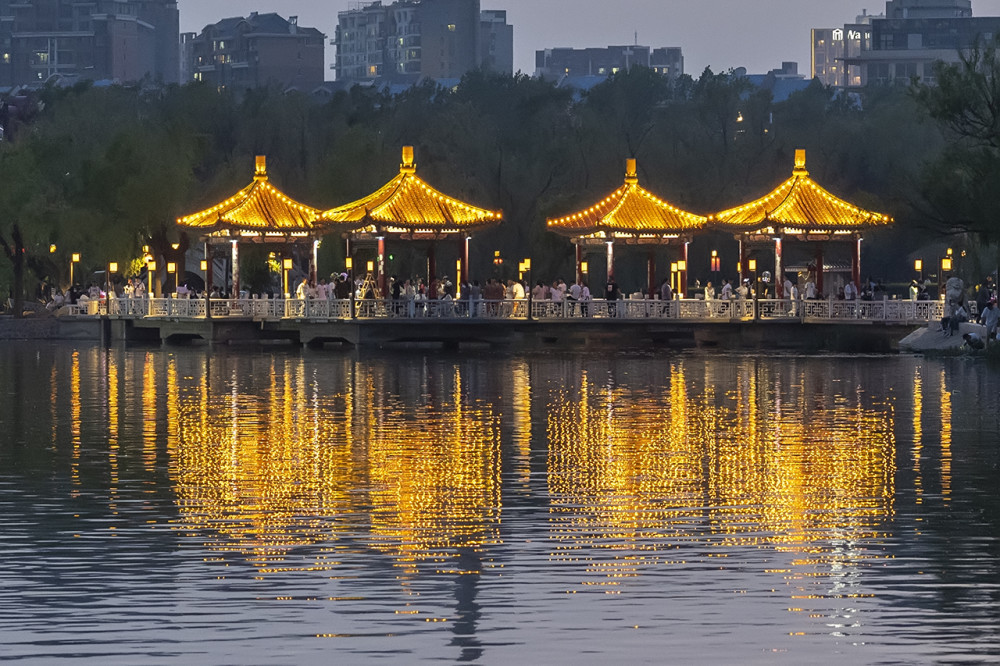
pixel 74 259
pixel 286 265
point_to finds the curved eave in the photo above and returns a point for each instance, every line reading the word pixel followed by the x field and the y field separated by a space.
pixel 260 208
pixel 631 212
pixel 408 205
pixel 798 206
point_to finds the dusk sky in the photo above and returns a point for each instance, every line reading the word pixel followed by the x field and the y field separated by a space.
pixel 715 33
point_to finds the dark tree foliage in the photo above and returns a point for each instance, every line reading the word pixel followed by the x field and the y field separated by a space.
pixel 959 184
pixel 106 171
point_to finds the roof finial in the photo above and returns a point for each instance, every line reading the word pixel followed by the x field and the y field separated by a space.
pixel 800 160
pixel 261 170
pixel 631 174
pixel 408 166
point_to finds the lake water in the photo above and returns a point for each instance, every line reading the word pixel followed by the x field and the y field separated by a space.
pixel 298 507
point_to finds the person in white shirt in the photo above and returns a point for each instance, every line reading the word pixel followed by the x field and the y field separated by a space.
pixel 850 291
pixel 727 290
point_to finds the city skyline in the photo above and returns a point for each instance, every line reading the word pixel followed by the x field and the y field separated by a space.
pixel 748 36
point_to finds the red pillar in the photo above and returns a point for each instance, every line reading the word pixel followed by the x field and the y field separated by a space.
pixel 682 287
pixel 611 262
pixel 466 273
pixel 651 272
pixel 431 265
pixel 819 269
pixel 209 270
pixel 579 263
pixel 380 266
pixel 236 270
pixel 743 260
pixel 779 270
pixel 856 262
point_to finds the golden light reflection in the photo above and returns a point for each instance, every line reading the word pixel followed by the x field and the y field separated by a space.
pixel 918 433
pixel 945 438
pixel 262 472
pixel 766 466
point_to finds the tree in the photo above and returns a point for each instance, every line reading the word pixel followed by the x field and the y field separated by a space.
pixel 959 186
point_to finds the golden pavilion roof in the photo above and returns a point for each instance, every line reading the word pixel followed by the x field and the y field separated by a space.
pixel 408 205
pixel 629 211
pixel 258 210
pixel 798 206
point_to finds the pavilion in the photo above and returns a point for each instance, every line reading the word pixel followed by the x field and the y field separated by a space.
pixel 631 216
pixel 802 210
pixel 407 208
pixel 257 214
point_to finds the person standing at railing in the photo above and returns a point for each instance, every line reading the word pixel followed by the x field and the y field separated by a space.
pixel 519 297
pixel 991 318
pixel 556 295
pixel 611 294
pixel 475 299
pixel 585 298
pixel 727 291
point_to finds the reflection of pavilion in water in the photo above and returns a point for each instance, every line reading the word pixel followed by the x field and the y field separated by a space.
pixel 296 463
pixel 659 469
pixel 293 464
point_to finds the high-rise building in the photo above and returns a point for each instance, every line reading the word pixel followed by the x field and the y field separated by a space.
pixel 408 39
pixel 901 45
pixel 833 48
pixel 122 40
pixel 559 62
pixel 259 50
pixel 496 41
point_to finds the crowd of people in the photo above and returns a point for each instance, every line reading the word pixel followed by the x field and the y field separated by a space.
pixel 474 298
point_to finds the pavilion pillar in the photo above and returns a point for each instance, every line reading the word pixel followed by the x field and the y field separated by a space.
pixel 349 261
pixel 651 272
pixel 856 262
pixel 380 267
pixel 779 270
pixel 209 270
pixel 819 269
pixel 611 261
pixel 465 274
pixel 236 269
pixel 313 270
pixel 431 265
pixel 683 275
pixel 744 271
pixel 579 263
pixel 209 267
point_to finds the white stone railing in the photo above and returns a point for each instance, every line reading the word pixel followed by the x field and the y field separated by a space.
pixel 687 310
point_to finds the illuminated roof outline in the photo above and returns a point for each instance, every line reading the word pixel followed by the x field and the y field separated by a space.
pixel 798 206
pixel 629 211
pixel 406 204
pixel 257 209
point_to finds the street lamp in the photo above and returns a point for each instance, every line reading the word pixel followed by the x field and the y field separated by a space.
pixel 918 267
pixel 286 265
pixel 112 268
pixel 74 259
pixel 585 267
pixel 716 263
pixel 172 268
pixel 150 271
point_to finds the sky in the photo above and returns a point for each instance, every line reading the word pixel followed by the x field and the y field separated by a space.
pixel 756 34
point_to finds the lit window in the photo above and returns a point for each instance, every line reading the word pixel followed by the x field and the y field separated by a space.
pixel 6 58
pixel 451 27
